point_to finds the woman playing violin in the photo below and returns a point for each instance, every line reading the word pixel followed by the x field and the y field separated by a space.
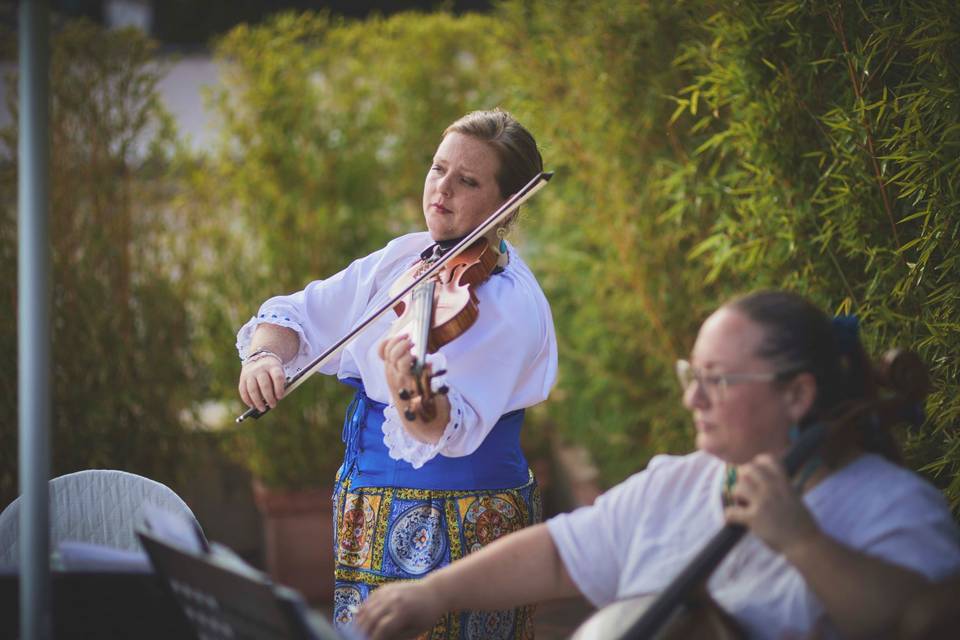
pixel 418 490
pixel 836 552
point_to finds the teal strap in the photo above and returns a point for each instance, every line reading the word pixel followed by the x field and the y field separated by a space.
pixel 729 481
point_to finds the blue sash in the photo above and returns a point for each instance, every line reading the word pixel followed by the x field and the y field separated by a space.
pixel 498 463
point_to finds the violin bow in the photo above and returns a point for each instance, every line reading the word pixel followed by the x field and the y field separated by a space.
pixel 509 206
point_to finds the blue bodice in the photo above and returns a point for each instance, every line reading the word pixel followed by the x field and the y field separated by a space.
pixel 498 462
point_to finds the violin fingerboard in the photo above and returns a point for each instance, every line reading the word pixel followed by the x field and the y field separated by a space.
pixel 422 319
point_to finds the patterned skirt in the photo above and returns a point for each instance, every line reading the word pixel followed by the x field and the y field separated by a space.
pixel 389 534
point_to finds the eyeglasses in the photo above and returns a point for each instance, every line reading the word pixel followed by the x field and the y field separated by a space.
pixel 715 384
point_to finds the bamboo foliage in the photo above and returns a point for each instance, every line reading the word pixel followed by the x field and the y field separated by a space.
pixel 835 136
pixel 121 365
pixel 617 221
pixel 812 146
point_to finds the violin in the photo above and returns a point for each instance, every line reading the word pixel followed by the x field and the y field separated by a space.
pixel 502 213
pixel 435 312
pixel 684 609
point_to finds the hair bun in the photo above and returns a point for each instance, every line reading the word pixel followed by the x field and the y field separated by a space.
pixel 904 373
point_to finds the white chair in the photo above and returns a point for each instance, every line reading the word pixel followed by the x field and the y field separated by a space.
pixel 99 506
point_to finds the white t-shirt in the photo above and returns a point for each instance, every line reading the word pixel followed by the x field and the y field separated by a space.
pixel 638 536
pixel 506 361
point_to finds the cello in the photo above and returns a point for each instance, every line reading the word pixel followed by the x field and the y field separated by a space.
pixel 684 609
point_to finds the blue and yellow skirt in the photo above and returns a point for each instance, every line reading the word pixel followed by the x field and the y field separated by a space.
pixel 389 534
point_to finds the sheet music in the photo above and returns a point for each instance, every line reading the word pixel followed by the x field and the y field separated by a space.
pixel 96 558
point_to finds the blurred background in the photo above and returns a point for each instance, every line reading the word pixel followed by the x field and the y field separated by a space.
pixel 208 155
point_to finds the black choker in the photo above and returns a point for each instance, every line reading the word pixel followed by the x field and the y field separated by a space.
pixel 437 249
pixel 446 245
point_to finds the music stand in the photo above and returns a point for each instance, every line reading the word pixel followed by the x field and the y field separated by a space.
pixel 231 601
pixel 99 605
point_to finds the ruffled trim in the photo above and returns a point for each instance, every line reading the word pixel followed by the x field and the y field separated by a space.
pixel 401 445
pixel 245 337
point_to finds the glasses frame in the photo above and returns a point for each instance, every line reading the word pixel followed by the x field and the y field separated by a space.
pixel 687 374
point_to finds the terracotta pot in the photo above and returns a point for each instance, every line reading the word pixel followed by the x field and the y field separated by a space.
pixel 298 539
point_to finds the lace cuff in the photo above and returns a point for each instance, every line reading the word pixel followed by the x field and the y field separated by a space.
pixel 402 446
pixel 245 336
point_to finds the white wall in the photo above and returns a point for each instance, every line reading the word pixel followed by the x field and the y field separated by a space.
pixel 180 91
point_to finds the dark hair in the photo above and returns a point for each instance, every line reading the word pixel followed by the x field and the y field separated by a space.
pixel 799 337
pixel 515 147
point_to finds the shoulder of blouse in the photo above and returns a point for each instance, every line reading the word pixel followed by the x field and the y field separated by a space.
pixel 397 253
pixel 668 471
pixel 379 267
pixel 518 276
pixel 409 242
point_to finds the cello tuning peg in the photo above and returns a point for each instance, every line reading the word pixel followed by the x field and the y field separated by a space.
pixel 441 372
pixel 409 415
pixel 443 390
pixel 404 394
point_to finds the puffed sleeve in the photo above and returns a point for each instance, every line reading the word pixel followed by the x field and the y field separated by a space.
pixel 506 361
pixel 326 310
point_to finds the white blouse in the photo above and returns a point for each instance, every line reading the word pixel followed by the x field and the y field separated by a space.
pixel 506 361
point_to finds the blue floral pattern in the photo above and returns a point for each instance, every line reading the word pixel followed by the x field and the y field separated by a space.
pixel 489 625
pixel 346 601
pixel 417 541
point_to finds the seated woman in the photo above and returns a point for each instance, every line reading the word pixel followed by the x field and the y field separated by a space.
pixel 840 553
